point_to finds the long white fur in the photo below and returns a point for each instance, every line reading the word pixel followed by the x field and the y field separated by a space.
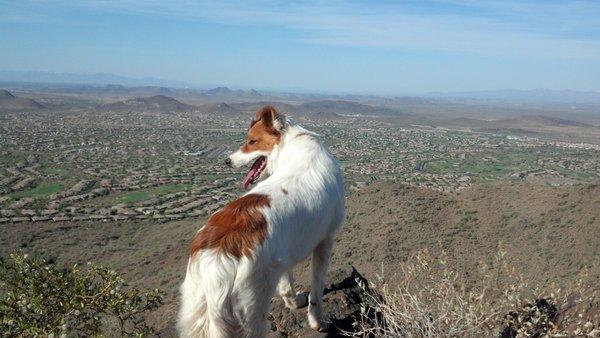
pixel 226 297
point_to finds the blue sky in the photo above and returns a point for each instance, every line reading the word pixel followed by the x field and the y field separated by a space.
pixel 385 47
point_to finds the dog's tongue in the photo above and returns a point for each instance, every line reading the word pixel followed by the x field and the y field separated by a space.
pixel 248 177
pixel 252 173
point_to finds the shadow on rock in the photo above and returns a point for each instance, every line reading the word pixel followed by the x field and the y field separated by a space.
pixel 343 300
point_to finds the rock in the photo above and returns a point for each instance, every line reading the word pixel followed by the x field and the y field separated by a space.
pixel 49 212
pixel 21 203
pixel 27 212
pixel 8 212
pixel 342 303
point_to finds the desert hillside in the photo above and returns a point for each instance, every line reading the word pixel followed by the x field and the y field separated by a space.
pixel 154 103
pixel 9 102
pixel 549 235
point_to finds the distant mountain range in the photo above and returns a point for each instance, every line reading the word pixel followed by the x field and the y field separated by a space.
pixel 542 96
pixel 117 90
pixel 9 102
pixel 224 91
pixel 325 109
pixel 106 83
pixel 92 79
pixel 111 83
pixel 484 105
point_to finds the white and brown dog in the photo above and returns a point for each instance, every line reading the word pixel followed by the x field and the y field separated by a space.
pixel 246 251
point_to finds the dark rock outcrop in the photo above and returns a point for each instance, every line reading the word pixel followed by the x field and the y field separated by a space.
pixel 342 301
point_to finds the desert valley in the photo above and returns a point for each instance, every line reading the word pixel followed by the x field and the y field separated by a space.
pixel 124 176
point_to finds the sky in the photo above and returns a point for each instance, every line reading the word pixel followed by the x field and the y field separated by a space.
pixel 378 47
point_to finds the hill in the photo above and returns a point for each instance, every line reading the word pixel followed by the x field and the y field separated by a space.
pixel 526 124
pixel 221 91
pixel 539 96
pixel 326 116
pixel 323 109
pixel 226 92
pixel 218 108
pixel 538 121
pixel 342 107
pixel 251 107
pixel 9 102
pixel 157 103
pixel 320 110
pixel 549 234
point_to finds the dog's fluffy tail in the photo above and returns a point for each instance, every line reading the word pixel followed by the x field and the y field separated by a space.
pixel 206 306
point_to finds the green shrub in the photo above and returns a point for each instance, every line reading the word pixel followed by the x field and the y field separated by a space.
pixel 39 299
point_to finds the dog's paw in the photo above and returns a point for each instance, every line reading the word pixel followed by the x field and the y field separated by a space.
pixel 297 302
pixel 321 325
pixel 301 299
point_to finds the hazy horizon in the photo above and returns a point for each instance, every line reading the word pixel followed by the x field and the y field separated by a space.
pixel 415 47
pixel 98 80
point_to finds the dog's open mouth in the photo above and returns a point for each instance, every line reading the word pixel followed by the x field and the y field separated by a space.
pixel 254 173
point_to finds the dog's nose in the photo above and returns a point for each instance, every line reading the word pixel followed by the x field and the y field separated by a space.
pixel 228 162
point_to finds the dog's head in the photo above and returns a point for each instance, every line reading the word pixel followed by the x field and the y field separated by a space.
pixel 263 136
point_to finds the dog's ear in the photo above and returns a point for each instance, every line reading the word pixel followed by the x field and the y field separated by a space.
pixel 270 118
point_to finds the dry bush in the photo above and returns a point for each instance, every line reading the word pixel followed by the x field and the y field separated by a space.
pixel 432 300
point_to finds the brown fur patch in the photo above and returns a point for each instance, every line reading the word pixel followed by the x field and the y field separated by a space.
pixel 262 134
pixel 236 229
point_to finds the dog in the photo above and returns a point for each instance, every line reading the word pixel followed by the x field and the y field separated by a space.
pixel 246 251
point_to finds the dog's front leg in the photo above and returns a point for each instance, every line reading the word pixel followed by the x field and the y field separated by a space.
pixel 286 290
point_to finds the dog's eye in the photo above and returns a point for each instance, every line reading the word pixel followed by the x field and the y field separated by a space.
pixel 251 142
